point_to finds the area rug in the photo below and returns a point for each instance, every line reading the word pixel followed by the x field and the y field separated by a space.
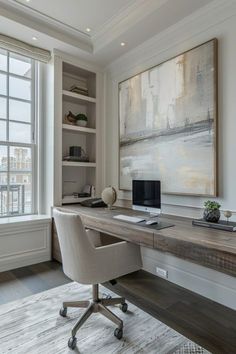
pixel 33 326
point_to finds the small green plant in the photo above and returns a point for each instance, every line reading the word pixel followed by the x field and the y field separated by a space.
pixel 81 116
pixel 209 205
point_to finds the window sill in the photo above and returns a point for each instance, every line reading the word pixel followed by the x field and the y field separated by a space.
pixel 25 219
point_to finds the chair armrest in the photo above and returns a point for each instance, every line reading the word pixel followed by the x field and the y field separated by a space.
pixel 94 237
pixel 118 259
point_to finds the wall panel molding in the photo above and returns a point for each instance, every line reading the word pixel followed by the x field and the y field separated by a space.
pixel 25 244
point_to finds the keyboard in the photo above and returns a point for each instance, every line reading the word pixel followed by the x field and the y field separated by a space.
pixel 133 219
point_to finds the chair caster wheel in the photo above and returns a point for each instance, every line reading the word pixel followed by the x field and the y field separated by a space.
pixel 124 307
pixel 72 342
pixel 63 312
pixel 118 333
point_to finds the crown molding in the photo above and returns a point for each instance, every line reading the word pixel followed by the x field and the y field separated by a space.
pixel 20 13
pixel 48 19
pixel 74 60
pixel 193 25
pixel 123 21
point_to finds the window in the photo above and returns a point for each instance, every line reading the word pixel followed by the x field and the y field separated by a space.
pixel 17 134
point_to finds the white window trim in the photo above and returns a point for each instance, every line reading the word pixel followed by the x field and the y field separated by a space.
pixel 34 136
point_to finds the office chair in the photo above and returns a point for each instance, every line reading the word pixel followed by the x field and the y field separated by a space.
pixel 86 261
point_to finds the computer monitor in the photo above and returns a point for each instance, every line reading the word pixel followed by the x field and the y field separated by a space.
pixel 146 196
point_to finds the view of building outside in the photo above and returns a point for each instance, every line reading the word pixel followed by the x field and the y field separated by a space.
pixel 20 182
pixel 16 132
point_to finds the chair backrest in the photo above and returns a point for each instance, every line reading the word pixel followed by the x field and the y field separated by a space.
pixel 76 248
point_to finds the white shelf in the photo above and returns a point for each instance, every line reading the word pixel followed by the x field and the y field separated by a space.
pixel 76 128
pixel 75 97
pixel 78 164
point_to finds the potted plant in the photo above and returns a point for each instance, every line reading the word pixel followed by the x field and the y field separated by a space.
pixel 81 120
pixel 211 211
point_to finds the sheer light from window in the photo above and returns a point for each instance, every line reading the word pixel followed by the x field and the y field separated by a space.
pixel 17 132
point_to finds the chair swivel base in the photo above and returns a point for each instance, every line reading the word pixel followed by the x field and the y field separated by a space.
pixel 93 306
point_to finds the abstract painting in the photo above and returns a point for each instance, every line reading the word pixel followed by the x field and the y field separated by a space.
pixel 168 122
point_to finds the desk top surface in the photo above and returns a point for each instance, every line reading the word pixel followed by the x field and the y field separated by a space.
pixel 182 231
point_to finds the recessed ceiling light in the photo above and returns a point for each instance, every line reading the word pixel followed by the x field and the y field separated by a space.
pixel 27 0
pixel 122 44
pixel 88 29
pixel 34 38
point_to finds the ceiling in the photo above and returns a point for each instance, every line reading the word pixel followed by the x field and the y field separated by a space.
pixel 79 14
pixel 63 24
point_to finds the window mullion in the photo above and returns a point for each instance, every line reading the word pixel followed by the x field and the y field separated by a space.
pixel 7 136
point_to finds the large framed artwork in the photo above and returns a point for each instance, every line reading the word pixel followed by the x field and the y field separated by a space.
pixel 168 124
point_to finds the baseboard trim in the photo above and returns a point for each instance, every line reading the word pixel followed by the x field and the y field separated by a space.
pixel 23 262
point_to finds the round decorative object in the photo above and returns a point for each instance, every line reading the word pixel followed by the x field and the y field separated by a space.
pixel 211 215
pixel 109 196
pixel 81 123
pixel 227 214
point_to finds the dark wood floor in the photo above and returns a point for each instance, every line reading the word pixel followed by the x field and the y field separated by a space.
pixel 207 323
pixel 21 282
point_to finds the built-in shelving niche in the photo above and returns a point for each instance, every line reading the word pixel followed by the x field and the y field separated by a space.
pixel 77 174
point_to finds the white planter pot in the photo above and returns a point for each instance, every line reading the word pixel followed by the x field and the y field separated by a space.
pixel 81 123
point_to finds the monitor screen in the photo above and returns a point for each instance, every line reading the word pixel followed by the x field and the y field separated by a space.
pixel 147 194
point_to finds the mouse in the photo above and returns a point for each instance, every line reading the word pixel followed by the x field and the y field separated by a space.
pixel 151 222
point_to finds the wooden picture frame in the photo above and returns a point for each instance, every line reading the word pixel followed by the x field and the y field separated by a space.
pixel 167 114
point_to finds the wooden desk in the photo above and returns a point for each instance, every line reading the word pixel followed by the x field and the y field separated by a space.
pixel 215 249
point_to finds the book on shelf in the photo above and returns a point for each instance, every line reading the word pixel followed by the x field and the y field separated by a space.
pixel 220 225
pixel 76 158
pixel 80 90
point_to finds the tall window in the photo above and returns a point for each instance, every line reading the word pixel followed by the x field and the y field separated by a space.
pixel 17 134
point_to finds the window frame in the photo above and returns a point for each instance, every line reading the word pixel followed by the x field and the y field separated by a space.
pixel 33 145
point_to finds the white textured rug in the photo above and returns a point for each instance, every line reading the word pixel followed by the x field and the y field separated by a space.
pixel 33 326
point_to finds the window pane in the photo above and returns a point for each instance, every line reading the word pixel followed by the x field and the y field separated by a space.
pixel 3 158
pixel 3 194
pixel 3 107
pixel 2 130
pixel 20 159
pixel 20 65
pixel 3 84
pixel 20 193
pixel 19 111
pixel 19 88
pixel 19 132
pixel 3 60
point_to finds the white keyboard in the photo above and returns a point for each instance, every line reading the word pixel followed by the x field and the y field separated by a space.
pixel 133 219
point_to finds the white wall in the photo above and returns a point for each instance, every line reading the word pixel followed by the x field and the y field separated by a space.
pixel 216 20
pixel 219 22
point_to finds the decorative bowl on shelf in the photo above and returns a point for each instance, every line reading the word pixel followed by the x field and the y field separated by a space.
pixel 81 123
pixel 81 120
